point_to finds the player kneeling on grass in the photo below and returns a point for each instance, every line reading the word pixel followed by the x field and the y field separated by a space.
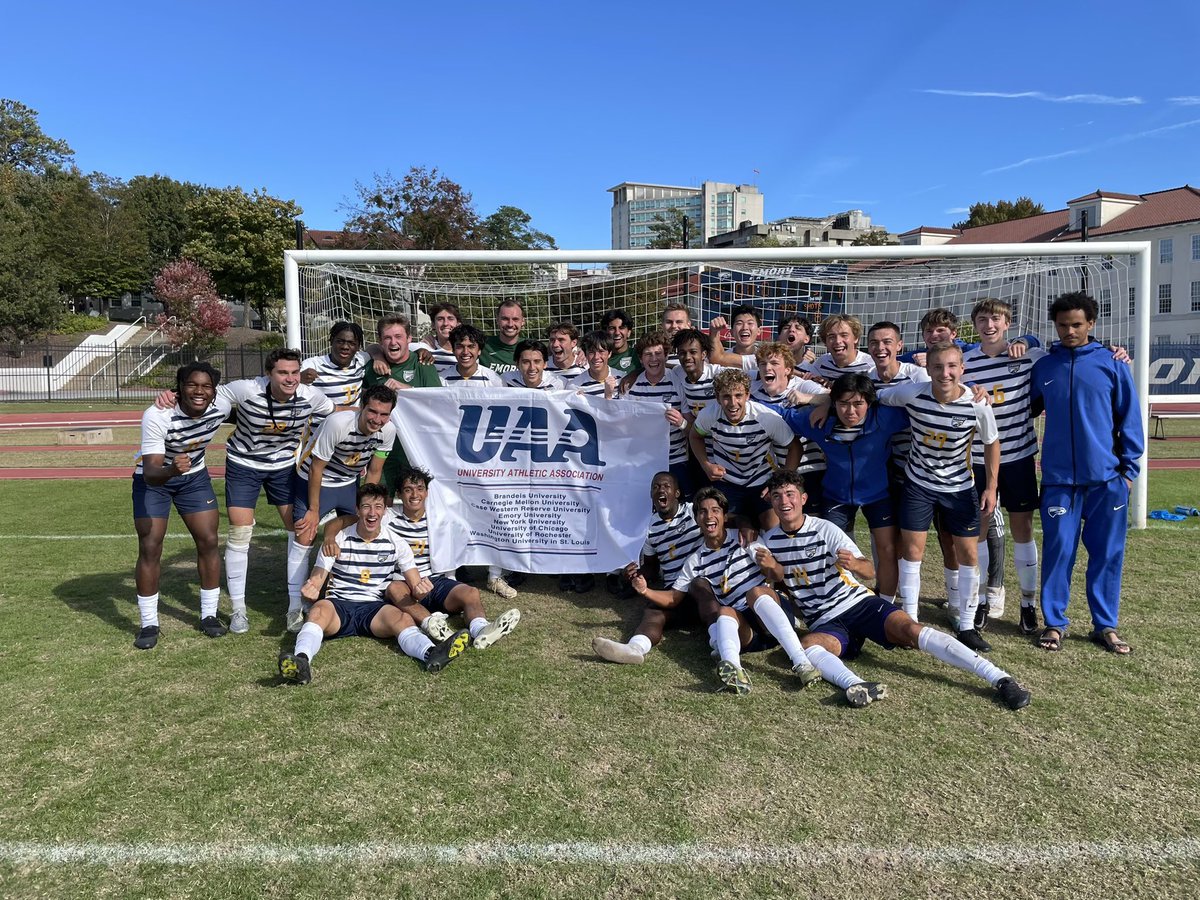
pixel 749 617
pixel 819 566
pixel 179 434
pixel 368 555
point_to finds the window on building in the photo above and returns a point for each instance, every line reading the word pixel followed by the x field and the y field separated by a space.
pixel 1132 261
pixel 1194 338
pixel 1166 250
pixel 1196 246
pixel 1106 303
pixel 1196 296
pixel 1162 339
pixel 1164 299
pixel 1132 301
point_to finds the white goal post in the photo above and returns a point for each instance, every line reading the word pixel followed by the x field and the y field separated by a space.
pixel 862 273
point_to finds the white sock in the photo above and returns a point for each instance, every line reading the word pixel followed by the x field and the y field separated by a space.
pixel 209 598
pixel 831 668
pixel 640 643
pixel 297 569
pixel 476 625
pixel 727 642
pixel 968 592
pixel 776 620
pixel 237 561
pixel 953 652
pixel 981 566
pixel 495 572
pixel 148 609
pixel 910 586
pixel 890 598
pixel 1026 558
pixel 308 641
pixel 413 643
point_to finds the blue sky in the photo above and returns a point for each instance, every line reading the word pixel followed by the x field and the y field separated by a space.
pixel 908 111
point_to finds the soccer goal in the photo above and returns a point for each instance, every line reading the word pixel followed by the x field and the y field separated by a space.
pixel 895 283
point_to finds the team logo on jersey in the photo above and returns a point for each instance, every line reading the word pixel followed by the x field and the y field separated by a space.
pixel 409 375
pixel 382 556
pixel 529 433
pixel 1014 368
pixel 812 552
pixel 1055 511
pixel 957 421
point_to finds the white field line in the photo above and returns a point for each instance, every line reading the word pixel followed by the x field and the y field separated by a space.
pixel 127 536
pixel 1184 850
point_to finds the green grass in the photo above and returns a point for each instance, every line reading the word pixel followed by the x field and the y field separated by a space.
pixel 536 742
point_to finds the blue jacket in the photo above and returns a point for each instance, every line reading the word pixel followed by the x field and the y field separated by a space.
pixel 1093 421
pixel 857 470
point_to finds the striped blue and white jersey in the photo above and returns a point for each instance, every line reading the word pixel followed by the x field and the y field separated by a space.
pixel 1006 379
pixel 269 432
pixel 481 377
pixel 587 385
pixel 550 381
pixel 907 373
pixel 171 432
pixel 416 536
pixel 940 455
pixel 812 458
pixel 346 449
pixel 819 589
pixel 824 366
pixel 566 374
pixel 730 569
pixel 665 392
pixel 361 572
pixel 342 385
pixel 443 360
pixel 672 541
pixel 748 449
pixel 696 394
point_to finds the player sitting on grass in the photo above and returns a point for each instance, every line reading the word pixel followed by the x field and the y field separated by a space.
pixel 819 567
pixel 749 617
pixel 368 555
pixel 673 537
pixel 170 470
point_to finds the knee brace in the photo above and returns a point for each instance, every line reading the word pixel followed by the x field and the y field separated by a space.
pixel 239 536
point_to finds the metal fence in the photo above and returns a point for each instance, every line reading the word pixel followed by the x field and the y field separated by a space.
pixel 66 370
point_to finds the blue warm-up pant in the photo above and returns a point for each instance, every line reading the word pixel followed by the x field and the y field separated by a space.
pixel 1098 513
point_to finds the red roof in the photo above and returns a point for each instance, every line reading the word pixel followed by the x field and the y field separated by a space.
pixel 1100 195
pixel 1031 229
pixel 929 229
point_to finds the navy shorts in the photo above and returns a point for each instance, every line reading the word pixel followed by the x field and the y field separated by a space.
pixel 1016 482
pixel 879 514
pixel 355 617
pixel 243 485
pixel 190 494
pixel 959 511
pixel 683 475
pixel 746 502
pixel 862 622
pixel 442 586
pixel 814 486
pixel 343 499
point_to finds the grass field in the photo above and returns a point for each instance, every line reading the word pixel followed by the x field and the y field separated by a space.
pixel 531 769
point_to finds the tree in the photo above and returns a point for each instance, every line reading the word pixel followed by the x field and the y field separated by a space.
pixel 424 210
pixel 876 237
pixel 23 144
pixel 669 230
pixel 240 239
pixel 1000 211
pixel 508 229
pixel 30 304
pixel 194 315
pixel 161 205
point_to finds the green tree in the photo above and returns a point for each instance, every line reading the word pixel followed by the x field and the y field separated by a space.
pixel 161 205
pixel 669 230
pixel 30 303
pixel 424 210
pixel 23 144
pixel 1001 211
pixel 508 229
pixel 240 238
pixel 876 237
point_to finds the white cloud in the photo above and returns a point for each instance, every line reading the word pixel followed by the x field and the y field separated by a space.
pixel 1101 99
pixel 1110 142
pixel 1184 101
pixel 955 210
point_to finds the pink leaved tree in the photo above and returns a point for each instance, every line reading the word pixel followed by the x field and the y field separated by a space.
pixel 195 317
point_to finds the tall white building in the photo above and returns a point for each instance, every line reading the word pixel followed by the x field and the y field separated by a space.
pixel 712 208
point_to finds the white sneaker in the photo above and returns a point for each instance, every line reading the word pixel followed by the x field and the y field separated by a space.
pixel 295 621
pixel 995 597
pixel 501 588
pixel 493 631
pixel 615 651
pixel 239 622
pixel 437 626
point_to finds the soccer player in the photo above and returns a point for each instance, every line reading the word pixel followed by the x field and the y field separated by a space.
pixel 797 333
pixel 619 326
pixel 745 324
pixel 467 342
pixel 672 538
pixel 655 384
pixel 748 440
pixel 354 605
pixel 1090 457
pixel 563 338
pixel 695 373
pixel 446 317
pixel 498 349
pixel 840 335
pixel 599 380
pixel 945 418
pixel 339 373
pixel 531 356
pixel 773 385
pixel 170 470
pixel 819 566
pixel 347 444
pixel 749 617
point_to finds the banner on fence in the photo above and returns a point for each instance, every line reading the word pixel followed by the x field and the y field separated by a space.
pixel 1174 370
pixel 536 481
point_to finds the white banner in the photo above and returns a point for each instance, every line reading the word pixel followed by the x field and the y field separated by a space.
pixel 536 481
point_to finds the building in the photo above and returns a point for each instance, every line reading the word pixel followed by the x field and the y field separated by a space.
pixel 837 230
pixel 712 208
pixel 1169 220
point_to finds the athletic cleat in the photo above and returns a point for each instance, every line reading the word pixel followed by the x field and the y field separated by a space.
pixel 612 583
pixel 1013 695
pixel 295 667
pixel 493 631
pixel 441 654
pixel 981 616
pixel 438 627
pixel 501 588
pixel 615 651
pixel 865 693
pixel 515 579
pixel 146 638
pixel 973 640
pixel 295 621
pixel 213 627
pixel 566 583
pixel 1029 619
pixel 584 583
pixel 239 622
pixel 733 678
pixel 808 673
pixel 995 597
